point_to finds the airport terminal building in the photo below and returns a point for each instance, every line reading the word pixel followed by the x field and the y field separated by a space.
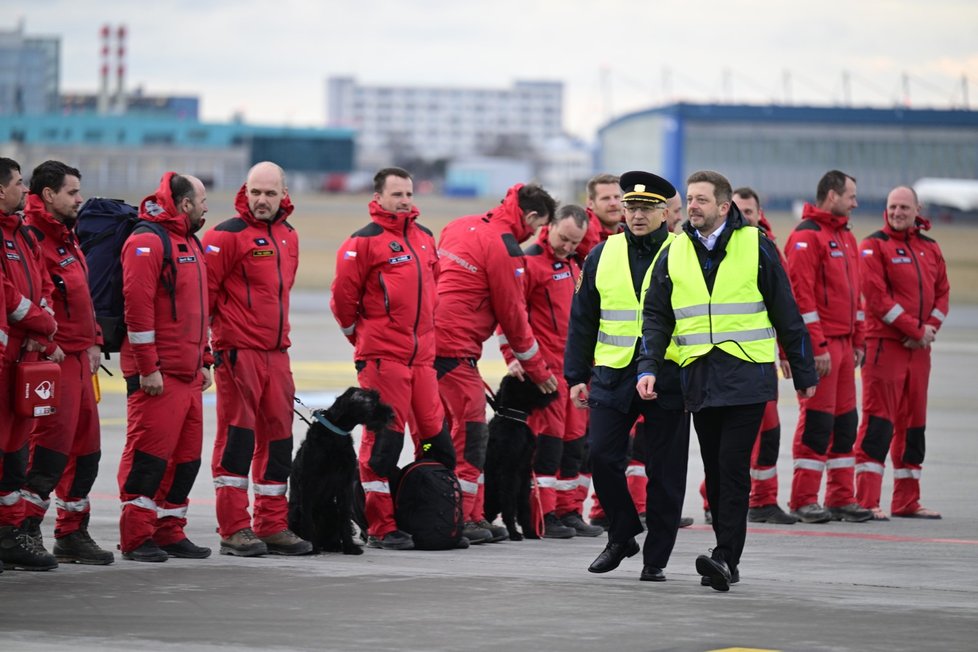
pixel 782 151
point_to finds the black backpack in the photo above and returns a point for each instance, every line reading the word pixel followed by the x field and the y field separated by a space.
pixel 428 505
pixel 103 227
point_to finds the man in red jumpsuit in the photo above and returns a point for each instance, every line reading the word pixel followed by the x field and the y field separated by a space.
pixel 66 446
pixel 551 274
pixel 823 265
pixel 480 284
pixel 166 363
pixel 251 264
pixel 30 327
pixel 904 283
pixel 383 297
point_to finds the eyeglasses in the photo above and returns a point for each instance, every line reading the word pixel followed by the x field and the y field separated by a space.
pixel 644 207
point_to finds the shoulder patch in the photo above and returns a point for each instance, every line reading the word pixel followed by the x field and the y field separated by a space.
pixel 533 250
pixel 808 225
pixel 36 232
pixel 926 238
pixel 512 246
pixel 879 235
pixel 233 225
pixel 288 226
pixel 369 231
pixel 424 229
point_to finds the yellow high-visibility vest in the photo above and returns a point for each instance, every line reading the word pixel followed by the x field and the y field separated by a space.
pixel 734 317
pixel 620 324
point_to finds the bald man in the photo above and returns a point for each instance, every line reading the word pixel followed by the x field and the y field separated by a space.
pixel 251 265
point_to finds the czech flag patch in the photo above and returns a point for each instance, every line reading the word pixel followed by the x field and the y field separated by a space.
pixel 867 252
pixel 801 245
pixel 347 255
pixel 519 272
pixel 212 249
pixel 142 251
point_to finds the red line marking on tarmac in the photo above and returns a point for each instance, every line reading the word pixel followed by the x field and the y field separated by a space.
pixel 868 537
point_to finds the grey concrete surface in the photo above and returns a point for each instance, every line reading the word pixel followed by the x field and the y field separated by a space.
pixel 902 585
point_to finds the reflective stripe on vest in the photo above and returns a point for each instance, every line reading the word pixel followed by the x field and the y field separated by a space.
pixel 733 318
pixel 620 325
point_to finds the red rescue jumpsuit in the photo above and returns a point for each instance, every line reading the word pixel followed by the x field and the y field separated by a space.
pixel 904 282
pixel 480 284
pixel 65 446
pixel 823 265
pixel 549 289
pixel 27 289
pixel 166 333
pixel 383 297
pixel 251 266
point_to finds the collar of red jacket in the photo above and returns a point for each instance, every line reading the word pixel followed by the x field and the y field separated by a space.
pixel 765 225
pixel 241 205
pixel 9 220
pixel 810 212
pixel 390 220
pixel 921 223
pixel 41 219
pixel 509 215
pixel 594 219
pixel 159 207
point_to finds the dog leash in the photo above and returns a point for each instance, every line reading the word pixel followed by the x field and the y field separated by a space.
pixel 318 416
pixel 504 412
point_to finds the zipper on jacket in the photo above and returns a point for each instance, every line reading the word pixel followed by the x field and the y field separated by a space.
pixel 920 283
pixel 417 312
pixel 26 266
pixel 550 304
pixel 853 307
pixel 281 284
pixel 201 289
pixel 62 288
pixel 383 287
pixel 244 275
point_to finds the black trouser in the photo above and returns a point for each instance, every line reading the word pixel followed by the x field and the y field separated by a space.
pixel 667 443
pixel 727 436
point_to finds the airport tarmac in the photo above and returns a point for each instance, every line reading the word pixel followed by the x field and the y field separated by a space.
pixel 902 585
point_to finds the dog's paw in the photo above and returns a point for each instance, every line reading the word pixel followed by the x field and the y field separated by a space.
pixel 352 550
pixel 515 536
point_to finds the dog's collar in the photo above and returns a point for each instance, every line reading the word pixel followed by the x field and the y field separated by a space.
pixel 510 413
pixel 323 420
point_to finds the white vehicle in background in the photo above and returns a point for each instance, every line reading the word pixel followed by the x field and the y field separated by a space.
pixel 948 199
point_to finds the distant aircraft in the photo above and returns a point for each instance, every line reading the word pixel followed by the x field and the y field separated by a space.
pixel 947 199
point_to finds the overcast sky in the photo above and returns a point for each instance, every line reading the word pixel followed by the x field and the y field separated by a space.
pixel 269 59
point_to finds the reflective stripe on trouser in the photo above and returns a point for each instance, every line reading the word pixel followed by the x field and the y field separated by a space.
pixel 160 461
pixel 412 392
pixel 827 430
pixel 464 399
pixel 895 381
pixel 65 448
pixel 638 482
pixel 764 458
pixel 254 436
pixel 547 491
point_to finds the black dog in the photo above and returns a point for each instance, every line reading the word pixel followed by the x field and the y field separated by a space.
pixel 509 455
pixel 324 479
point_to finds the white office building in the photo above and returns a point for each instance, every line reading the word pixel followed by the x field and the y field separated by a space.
pixel 399 122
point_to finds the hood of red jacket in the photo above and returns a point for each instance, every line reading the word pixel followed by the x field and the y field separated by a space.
pixel 40 218
pixel 159 207
pixel 765 226
pixel 920 223
pixel 393 221
pixel 241 205
pixel 810 212
pixel 509 215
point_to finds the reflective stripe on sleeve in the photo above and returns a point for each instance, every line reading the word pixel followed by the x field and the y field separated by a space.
pixel 529 353
pixel 377 487
pixel 142 337
pixel 21 310
pixel 349 329
pixel 810 317
pixel 938 315
pixel 893 313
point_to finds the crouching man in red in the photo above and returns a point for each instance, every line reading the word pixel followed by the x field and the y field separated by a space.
pixel 163 361
pixel 251 265
pixel 383 298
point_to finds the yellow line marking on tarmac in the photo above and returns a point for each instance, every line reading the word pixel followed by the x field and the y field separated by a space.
pixel 310 375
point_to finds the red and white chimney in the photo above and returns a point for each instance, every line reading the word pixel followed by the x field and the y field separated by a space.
pixel 102 99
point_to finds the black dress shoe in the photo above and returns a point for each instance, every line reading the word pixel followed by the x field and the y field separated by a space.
pixel 734 577
pixel 612 555
pixel 716 570
pixel 652 574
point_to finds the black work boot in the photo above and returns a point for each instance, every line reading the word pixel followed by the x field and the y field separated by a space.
pixel 32 527
pixel 19 551
pixel 79 548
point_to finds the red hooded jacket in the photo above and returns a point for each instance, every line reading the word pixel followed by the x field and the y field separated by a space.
pixel 904 282
pixel 481 284
pixel 26 288
pixel 596 232
pixel 155 340
pixel 251 266
pixel 549 288
pixel 823 265
pixel 65 265
pixel 383 294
